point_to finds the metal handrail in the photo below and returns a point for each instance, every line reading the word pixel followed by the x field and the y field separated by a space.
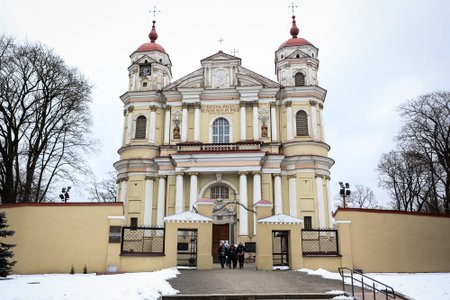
pixel 388 291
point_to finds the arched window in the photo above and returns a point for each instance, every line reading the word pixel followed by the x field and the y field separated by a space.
pixel 220 192
pixel 301 123
pixel 141 126
pixel 299 79
pixel 221 131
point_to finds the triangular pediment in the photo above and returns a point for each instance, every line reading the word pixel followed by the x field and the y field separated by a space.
pixel 220 57
pixel 298 54
pixel 193 79
pixel 143 58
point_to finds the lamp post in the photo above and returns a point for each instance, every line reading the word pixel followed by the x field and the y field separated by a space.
pixel 344 191
pixel 65 194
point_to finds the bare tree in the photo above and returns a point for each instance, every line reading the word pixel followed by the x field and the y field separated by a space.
pixel 44 121
pixel 104 190
pixel 426 130
pixel 417 175
pixel 405 176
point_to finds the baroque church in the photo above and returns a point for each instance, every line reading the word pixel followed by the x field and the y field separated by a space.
pixel 227 137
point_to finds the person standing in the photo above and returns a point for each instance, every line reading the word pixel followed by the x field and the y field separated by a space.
pixel 222 250
pixel 227 254
pixel 240 251
pixel 233 256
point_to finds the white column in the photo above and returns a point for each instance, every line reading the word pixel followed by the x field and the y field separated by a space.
pixel 123 191
pixel 243 216
pixel 184 124
pixel 197 122
pixel 288 121
pixel 278 195
pixel 152 130
pixel 293 196
pixel 256 194
pixel 193 192
pixel 273 122
pixel 330 205
pixel 148 206
pixel 314 120
pixel 161 201
pixel 179 194
pixel 243 122
pixel 321 122
pixel 167 126
pixel 130 124
pixel 255 122
pixel 320 202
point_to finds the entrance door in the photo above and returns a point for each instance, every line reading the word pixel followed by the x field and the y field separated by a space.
pixel 221 232
pixel 187 248
pixel 280 248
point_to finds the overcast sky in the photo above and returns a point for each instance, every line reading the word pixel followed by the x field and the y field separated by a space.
pixel 374 55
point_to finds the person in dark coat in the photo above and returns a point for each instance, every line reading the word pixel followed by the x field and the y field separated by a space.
pixel 232 256
pixel 240 251
pixel 222 251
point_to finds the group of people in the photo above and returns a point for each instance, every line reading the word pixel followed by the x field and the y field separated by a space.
pixel 230 254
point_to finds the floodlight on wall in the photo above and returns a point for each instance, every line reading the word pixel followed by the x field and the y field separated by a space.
pixel 64 196
pixel 344 191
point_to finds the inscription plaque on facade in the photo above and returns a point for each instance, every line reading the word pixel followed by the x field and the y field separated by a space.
pixel 223 108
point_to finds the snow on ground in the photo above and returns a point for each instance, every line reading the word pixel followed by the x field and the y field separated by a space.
pixel 150 285
pixel 147 285
pixel 420 286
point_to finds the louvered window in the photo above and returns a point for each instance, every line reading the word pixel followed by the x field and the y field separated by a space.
pixel 301 123
pixel 220 192
pixel 141 126
pixel 221 131
pixel 299 79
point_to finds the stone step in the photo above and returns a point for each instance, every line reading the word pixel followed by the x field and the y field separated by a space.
pixel 253 297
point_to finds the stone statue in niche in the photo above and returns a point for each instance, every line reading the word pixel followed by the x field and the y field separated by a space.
pixel 220 79
pixel 176 132
pixel 264 118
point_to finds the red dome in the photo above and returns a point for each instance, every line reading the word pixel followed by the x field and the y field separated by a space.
pixel 295 42
pixel 151 47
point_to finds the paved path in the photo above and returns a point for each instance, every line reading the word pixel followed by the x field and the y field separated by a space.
pixel 250 281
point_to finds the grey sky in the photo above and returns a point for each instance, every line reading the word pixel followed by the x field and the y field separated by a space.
pixel 373 56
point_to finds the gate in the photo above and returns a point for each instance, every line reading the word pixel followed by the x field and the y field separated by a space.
pixel 187 248
pixel 280 248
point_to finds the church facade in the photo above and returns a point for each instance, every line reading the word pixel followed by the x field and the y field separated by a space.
pixel 225 135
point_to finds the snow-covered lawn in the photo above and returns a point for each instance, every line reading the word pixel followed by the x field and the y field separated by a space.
pixel 420 286
pixel 148 285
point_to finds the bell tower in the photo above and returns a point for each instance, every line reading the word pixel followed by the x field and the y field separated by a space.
pixel 150 67
pixel 296 61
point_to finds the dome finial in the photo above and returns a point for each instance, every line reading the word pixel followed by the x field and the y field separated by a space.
pixel 153 35
pixel 294 29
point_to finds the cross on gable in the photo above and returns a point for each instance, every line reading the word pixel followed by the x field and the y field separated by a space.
pixel 234 52
pixel 220 43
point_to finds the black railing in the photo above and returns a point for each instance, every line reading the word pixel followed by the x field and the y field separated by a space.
pixel 320 242
pixel 142 241
pixel 374 286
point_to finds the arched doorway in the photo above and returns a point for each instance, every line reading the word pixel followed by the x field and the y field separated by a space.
pixel 224 195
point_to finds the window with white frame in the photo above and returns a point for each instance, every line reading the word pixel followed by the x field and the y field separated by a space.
pixel 221 131
pixel 220 192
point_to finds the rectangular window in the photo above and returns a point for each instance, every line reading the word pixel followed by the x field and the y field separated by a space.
pixel 133 222
pixel 307 222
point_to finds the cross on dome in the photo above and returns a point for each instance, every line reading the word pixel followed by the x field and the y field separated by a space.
pixel 220 40
pixel 293 7
pixel 154 11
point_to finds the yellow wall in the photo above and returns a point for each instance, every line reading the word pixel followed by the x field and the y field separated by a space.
pixel 50 238
pixel 390 241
